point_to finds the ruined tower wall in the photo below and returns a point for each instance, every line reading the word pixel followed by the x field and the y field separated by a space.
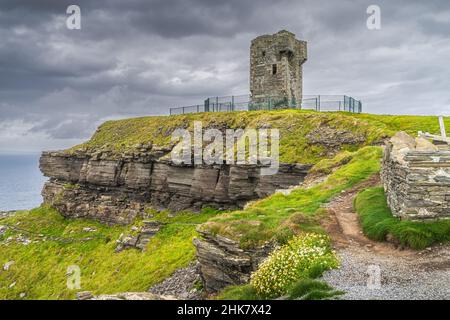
pixel 276 66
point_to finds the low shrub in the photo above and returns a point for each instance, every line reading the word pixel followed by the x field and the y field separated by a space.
pixel 303 256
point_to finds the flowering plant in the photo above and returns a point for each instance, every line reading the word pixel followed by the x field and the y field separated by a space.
pixel 304 256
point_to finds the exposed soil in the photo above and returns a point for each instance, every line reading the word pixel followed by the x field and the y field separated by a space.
pixel 403 273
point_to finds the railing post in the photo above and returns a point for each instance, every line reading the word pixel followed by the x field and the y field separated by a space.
pixel 442 127
pixel 319 102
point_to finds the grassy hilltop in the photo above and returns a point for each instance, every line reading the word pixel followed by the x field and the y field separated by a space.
pixel 40 267
pixel 294 126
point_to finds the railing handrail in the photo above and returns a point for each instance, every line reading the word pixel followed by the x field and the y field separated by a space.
pixel 273 102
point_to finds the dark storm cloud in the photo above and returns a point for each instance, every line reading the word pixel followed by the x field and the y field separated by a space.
pixel 139 57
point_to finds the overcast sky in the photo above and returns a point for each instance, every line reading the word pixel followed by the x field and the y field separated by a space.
pixel 139 57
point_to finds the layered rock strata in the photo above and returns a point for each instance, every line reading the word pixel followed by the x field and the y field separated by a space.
pixel 223 263
pixel 117 189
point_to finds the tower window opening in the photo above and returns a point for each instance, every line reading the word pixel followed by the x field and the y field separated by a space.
pixel 274 69
pixel 264 53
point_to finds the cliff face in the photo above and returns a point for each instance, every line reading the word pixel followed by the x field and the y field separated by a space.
pixel 117 188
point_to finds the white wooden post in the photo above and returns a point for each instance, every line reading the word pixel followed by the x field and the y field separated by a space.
pixel 441 124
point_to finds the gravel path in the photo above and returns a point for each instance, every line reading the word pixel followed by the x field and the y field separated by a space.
pixel 400 277
pixel 181 284
pixel 373 270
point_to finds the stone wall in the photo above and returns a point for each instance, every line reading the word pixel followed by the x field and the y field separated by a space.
pixel 416 178
pixel 276 66
pixel 117 189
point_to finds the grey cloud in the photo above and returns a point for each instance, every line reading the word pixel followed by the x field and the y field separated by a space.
pixel 139 57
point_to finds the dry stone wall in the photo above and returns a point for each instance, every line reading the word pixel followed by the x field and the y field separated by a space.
pixel 416 177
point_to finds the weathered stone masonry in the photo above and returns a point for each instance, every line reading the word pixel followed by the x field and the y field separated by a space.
pixel 416 177
pixel 276 67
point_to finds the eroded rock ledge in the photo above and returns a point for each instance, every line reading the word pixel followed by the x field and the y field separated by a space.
pixel 117 188
pixel 223 263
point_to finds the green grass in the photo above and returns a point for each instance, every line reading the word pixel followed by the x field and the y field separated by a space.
pixel 378 222
pixel 40 268
pixel 311 289
pixel 410 124
pixel 303 289
pixel 241 292
pixel 279 216
pixel 294 125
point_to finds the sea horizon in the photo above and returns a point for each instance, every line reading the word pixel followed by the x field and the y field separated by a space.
pixel 21 181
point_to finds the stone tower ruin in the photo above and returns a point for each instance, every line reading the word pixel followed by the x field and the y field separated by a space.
pixel 276 68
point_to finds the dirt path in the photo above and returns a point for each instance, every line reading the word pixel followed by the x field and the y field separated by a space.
pixel 375 270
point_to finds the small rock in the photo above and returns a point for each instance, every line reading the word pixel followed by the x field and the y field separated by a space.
pixel 84 295
pixel 22 295
pixel 126 242
pixel 3 230
pixel 8 265
pixel 12 285
pixel 87 229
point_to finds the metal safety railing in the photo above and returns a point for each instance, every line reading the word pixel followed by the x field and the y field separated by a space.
pixel 248 103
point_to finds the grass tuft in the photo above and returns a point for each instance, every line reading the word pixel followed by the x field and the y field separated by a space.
pixel 303 289
pixel 311 289
pixel 378 222
pixel 242 292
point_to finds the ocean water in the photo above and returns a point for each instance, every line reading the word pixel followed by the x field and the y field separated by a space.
pixel 20 182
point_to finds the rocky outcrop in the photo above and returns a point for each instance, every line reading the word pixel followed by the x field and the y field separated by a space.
pixel 333 139
pixel 7 214
pixel 86 295
pixel 416 177
pixel 117 188
pixel 223 262
pixel 141 239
